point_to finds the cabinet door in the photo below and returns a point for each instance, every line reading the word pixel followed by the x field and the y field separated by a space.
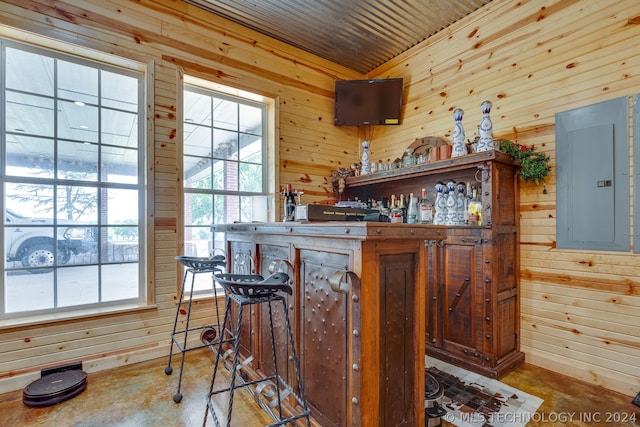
pixel 461 301
pixel 324 337
pixel 501 312
pixel 397 320
pixel 433 305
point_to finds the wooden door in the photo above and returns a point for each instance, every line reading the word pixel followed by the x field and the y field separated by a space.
pixel 397 323
pixel 461 301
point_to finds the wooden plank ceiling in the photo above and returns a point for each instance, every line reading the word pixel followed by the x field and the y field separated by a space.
pixel 358 34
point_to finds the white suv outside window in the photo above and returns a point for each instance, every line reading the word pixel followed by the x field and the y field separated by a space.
pixel 30 241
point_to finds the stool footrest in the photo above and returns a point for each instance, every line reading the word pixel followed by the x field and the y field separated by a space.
pixel 179 345
pixel 272 393
pixel 259 391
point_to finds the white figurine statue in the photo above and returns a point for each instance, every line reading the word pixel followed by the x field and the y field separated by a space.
pixel 486 127
pixel 459 146
pixel 451 217
pixel 461 202
pixel 440 204
pixel 366 165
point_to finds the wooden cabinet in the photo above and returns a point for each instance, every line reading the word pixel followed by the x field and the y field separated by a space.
pixel 357 313
pixel 473 316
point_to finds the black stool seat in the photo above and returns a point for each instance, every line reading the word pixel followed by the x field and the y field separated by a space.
pixel 250 289
pixel 254 285
pixel 194 265
pixel 202 264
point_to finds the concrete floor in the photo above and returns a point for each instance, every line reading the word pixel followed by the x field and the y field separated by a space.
pixel 140 395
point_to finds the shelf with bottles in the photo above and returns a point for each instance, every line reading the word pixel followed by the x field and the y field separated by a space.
pixel 486 174
pixel 431 167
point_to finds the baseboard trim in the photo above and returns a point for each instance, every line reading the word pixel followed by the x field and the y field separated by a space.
pixel 89 364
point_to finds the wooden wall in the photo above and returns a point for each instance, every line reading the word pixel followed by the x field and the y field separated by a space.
pixel 532 59
pixel 176 39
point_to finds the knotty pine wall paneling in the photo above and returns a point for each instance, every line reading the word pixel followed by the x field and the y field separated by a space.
pixel 532 59
pixel 175 39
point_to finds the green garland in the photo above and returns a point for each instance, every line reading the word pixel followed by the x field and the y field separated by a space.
pixel 534 165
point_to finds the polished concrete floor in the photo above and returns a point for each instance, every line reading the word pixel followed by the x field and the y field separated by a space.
pixel 140 395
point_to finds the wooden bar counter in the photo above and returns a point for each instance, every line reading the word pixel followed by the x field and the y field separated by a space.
pixel 357 311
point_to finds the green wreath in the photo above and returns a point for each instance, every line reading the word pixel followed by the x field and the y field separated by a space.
pixel 534 165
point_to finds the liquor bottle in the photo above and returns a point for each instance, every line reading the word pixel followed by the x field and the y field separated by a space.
pixel 451 203
pixel 461 205
pixel 425 209
pixel 403 208
pixel 289 204
pixel 366 165
pixel 395 214
pixel 467 198
pixel 412 210
pixel 440 214
pixel 459 146
pixel 475 209
pixel 384 208
pixel 486 127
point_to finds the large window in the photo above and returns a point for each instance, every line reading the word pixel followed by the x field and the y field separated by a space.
pixel 72 182
pixel 224 165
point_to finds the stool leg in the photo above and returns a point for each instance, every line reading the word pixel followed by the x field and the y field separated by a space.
pixel 236 350
pixel 215 294
pixel 296 362
pixel 227 309
pixel 168 370
pixel 178 396
pixel 275 360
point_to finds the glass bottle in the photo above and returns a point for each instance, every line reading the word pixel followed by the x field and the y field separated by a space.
pixel 366 165
pixel 289 204
pixel 403 207
pixel 475 209
pixel 395 214
pixel 440 213
pixel 459 146
pixel 407 158
pixel 425 209
pixel 412 210
pixel 467 198
pixel 384 208
pixel 485 143
pixel 451 217
pixel 461 205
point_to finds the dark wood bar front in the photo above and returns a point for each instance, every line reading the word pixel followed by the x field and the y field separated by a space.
pixel 358 314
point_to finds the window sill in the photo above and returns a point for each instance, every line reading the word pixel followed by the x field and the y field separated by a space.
pixel 73 315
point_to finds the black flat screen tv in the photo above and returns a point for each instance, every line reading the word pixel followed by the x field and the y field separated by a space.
pixel 368 102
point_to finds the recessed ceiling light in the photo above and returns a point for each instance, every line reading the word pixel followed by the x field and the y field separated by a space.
pixel 188 120
pixel 84 127
pixel 79 103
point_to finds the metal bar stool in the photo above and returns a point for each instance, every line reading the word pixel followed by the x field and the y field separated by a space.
pixel 245 290
pixel 195 265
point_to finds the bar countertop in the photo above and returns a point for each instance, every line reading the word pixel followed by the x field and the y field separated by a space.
pixel 361 230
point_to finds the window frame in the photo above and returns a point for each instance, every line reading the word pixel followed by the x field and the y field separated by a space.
pixel 108 63
pixel 270 157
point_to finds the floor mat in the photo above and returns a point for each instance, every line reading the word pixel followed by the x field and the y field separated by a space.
pixel 472 400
